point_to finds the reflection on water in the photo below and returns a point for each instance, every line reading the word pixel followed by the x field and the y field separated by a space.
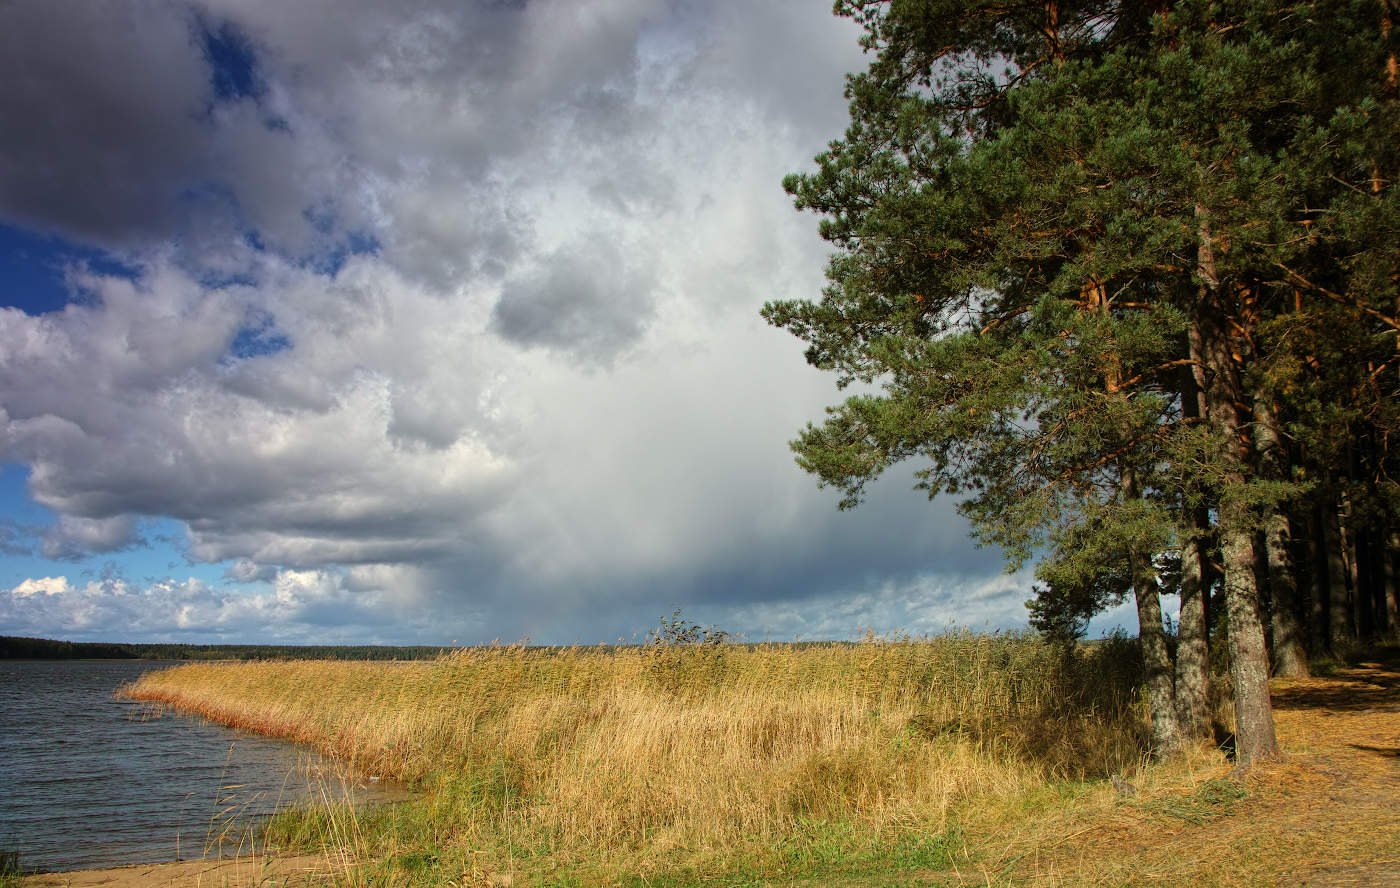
pixel 88 780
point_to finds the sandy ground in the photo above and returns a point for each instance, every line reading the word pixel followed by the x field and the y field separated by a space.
pixel 1326 816
pixel 260 871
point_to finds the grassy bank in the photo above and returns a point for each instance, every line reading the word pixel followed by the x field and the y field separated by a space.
pixel 684 764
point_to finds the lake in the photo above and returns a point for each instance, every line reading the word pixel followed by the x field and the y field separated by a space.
pixel 88 780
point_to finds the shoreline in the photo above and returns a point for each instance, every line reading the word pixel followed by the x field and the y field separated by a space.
pixel 259 870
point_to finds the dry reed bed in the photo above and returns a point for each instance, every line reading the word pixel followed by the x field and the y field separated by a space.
pixel 679 750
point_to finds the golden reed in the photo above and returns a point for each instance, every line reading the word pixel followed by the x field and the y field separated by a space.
pixel 685 753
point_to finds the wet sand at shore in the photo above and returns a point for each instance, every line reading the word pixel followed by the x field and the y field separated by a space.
pixel 293 870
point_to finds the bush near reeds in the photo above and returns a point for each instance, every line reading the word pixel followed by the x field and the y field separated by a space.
pixel 680 757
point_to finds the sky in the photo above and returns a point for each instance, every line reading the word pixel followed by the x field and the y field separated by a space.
pixel 431 322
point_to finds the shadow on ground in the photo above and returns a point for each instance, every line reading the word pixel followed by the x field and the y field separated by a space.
pixel 1374 684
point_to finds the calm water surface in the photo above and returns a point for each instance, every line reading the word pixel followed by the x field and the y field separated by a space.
pixel 88 780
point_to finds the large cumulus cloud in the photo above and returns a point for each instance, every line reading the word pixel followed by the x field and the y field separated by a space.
pixel 451 305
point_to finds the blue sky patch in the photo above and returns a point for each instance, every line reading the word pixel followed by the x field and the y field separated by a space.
pixel 23 522
pixel 258 338
pixel 355 244
pixel 33 270
pixel 232 62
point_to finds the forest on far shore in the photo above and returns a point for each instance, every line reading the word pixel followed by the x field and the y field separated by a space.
pixel 15 648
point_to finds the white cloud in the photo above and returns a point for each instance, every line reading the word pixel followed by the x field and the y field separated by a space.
pixel 45 586
pixel 75 537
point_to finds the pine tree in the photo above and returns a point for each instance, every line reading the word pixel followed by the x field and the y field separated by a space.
pixel 1069 239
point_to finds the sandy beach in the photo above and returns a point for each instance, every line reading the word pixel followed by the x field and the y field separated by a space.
pixel 261 871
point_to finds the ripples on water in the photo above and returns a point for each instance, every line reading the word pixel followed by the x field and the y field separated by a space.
pixel 88 780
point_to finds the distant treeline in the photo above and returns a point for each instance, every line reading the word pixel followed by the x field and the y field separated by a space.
pixel 12 648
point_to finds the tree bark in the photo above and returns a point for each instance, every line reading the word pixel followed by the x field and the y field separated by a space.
pixel 1377 559
pixel 1161 695
pixel 1300 556
pixel 1255 739
pixel 1288 653
pixel 1318 581
pixel 1339 631
pixel 1192 648
pixel 1339 602
pixel 1249 666
pixel 1193 633
pixel 1346 533
pixel 1366 588
pixel 1392 600
pixel 1156 659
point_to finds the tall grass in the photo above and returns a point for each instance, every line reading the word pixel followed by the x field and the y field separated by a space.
pixel 690 758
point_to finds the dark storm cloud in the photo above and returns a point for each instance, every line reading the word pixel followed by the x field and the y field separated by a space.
pixel 93 139
pixel 585 302
pixel 114 128
pixel 904 565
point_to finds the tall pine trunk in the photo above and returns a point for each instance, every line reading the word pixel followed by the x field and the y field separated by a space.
pixel 1288 653
pixel 1366 588
pixel 1392 599
pixel 1255 739
pixel 1192 650
pixel 1156 659
pixel 1346 527
pixel 1318 580
pixel 1340 633
pixel 1301 557
pixel 1339 623
pixel 1152 640
pixel 1193 633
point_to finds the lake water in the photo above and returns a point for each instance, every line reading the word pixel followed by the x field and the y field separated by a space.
pixel 88 780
